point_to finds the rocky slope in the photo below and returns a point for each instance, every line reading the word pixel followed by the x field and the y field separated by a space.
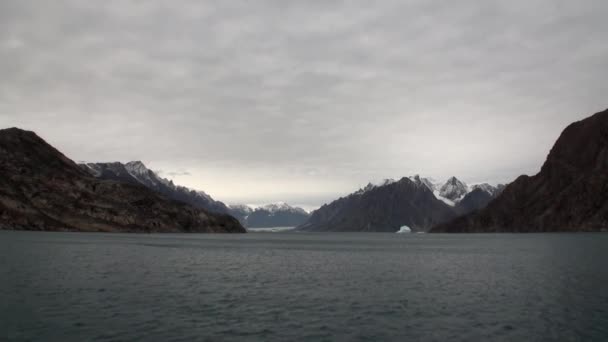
pixel 570 193
pixel 383 208
pixel 41 189
pixel 136 172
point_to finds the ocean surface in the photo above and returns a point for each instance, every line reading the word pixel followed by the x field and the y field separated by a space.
pixel 303 287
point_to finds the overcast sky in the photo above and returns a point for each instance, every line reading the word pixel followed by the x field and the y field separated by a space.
pixel 304 101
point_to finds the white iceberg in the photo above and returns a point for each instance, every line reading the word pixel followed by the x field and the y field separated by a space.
pixel 404 229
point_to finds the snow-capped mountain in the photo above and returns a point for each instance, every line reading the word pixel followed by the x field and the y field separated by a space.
pixel 271 215
pixel 453 189
pixel 488 188
pixel 275 208
pixel 135 172
pixel 415 201
pixel 382 208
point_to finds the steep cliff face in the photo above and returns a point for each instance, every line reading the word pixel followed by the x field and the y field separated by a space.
pixel 382 208
pixel 41 189
pixel 570 193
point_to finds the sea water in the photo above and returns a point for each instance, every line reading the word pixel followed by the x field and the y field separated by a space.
pixel 303 287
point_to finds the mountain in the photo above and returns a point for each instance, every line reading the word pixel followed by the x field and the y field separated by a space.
pixel 269 216
pixel 241 212
pixel 136 172
pixel 41 189
pixel 570 193
pixel 459 195
pixel 478 198
pixel 382 208
pixel 490 189
pixel 453 189
pixel 420 206
pixel 276 215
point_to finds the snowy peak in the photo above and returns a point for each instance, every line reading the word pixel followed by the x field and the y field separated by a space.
pixel 272 215
pixel 453 189
pixel 139 171
pixel 451 192
pixel 421 181
pixel 282 207
pixel 485 187
pixel 137 167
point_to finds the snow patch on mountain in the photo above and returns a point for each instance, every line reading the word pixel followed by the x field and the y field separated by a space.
pixel 454 189
pixel 139 171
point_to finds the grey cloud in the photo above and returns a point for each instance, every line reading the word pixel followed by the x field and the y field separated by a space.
pixel 304 100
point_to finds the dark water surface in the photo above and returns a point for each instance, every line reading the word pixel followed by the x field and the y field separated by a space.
pixel 303 287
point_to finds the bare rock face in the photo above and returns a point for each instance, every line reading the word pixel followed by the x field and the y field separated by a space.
pixel 41 189
pixel 569 194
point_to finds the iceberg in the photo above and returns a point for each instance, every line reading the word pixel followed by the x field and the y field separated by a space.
pixel 404 229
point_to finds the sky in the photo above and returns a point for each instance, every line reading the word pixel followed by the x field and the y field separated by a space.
pixel 304 101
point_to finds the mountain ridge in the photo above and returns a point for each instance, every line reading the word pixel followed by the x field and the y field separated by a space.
pixel 431 208
pixel 135 172
pixel 382 208
pixel 272 215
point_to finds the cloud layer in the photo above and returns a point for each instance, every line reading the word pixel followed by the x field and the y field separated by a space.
pixel 300 101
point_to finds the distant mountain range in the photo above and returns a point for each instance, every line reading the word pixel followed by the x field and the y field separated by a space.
pixel 135 172
pixel 271 215
pixel 41 189
pixel 416 202
pixel 570 193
